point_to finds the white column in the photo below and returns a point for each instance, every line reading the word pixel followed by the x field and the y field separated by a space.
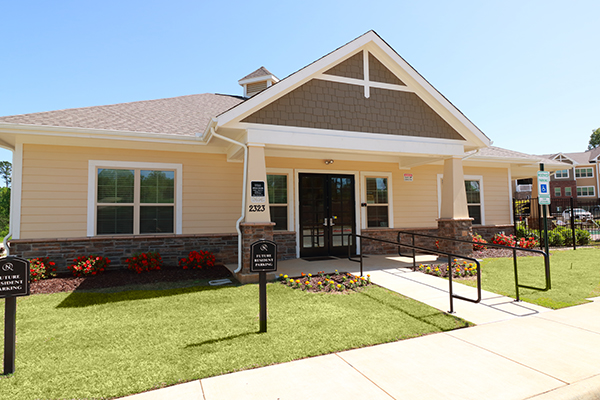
pixel 454 195
pixel 257 203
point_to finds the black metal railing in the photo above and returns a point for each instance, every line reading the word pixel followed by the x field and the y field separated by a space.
pixel 499 246
pixel 449 255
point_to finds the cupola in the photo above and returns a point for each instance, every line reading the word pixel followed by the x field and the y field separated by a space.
pixel 257 81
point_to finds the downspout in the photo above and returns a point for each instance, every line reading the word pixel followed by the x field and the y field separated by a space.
pixel 472 154
pixel 5 242
pixel 244 184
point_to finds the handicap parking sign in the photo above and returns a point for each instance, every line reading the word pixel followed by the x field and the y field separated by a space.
pixel 544 188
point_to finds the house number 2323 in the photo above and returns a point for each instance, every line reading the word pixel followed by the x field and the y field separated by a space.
pixel 256 207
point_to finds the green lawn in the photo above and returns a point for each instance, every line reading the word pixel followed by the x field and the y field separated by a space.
pixel 575 277
pixel 103 345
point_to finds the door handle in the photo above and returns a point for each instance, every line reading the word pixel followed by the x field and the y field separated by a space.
pixel 325 222
pixel 331 221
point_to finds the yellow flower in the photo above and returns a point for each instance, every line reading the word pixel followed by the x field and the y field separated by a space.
pixel 285 276
pixel 436 269
pixel 297 280
pixel 319 283
pixel 309 274
pixel 363 278
pixel 306 283
pixel 428 268
pixel 368 276
pixel 339 286
pixel 280 274
pixel 336 270
pixel 471 264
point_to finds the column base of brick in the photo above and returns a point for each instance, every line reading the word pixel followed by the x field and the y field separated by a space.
pixel 456 229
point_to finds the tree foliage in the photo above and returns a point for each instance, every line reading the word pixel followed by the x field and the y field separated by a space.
pixel 4 211
pixel 594 139
pixel 6 172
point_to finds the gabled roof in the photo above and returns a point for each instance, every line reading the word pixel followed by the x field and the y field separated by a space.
pixel 262 71
pixel 374 44
pixel 580 158
pixel 184 115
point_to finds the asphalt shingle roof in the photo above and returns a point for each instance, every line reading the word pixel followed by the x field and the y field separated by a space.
pixel 262 71
pixel 583 157
pixel 184 115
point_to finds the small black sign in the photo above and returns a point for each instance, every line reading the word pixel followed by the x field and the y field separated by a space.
pixel 263 256
pixel 14 277
pixel 257 188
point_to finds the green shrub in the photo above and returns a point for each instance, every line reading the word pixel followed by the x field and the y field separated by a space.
pixel 555 238
pixel 523 232
pixel 582 236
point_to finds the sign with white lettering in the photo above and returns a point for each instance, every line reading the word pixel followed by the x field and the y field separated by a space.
pixel 258 192
pixel 263 256
pixel 543 178
pixel 14 277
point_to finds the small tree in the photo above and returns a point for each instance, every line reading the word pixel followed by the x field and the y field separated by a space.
pixel 5 172
pixel 594 139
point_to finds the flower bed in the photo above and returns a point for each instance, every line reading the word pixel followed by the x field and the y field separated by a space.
pixel 337 282
pixel 459 269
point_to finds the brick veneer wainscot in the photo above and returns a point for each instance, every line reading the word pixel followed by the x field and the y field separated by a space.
pixel 119 248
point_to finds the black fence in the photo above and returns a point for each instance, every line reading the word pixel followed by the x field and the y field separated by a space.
pixel 571 221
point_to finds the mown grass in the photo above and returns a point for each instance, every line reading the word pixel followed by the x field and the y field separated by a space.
pixel 102 345
pixel 575 276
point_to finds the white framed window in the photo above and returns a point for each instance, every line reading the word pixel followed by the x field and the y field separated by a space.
pixel 557 192
pixel 584 172
pixel 585 191
pixel 563 173
pixel 280 190
pixel 376 197
pixel 475 198
pixel 568 191
pixel 132 198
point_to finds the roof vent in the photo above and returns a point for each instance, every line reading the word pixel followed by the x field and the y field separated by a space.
pixel 257 81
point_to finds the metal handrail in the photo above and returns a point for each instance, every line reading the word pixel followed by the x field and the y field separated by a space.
pixel 448 254
pixel 513 248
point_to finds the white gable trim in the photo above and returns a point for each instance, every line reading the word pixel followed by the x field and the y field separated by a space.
pixel 372 42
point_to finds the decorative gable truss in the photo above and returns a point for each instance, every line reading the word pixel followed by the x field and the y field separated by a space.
pixel 362 97
pixel 358 95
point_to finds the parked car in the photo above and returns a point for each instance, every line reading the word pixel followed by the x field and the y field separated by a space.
pixel 579 213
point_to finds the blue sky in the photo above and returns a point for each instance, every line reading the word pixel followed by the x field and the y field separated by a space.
pixel 525 72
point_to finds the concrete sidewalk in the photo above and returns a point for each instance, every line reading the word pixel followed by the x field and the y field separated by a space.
pixel 518 351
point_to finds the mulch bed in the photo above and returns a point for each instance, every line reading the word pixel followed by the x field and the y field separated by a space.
pixel 496 253
pixel 116 278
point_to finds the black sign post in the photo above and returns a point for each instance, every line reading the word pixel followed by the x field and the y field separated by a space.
pixel 14 281
pixel 263 259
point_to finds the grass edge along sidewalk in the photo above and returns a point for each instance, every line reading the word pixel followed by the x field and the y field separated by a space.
pixel 575 277
pixel 104 345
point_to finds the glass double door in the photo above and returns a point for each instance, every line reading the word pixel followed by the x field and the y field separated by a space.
pixel 327 214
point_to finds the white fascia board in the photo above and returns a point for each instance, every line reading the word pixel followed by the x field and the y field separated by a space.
pixel 372 42
pixel 258 79
pixel 362 142
pixel 288 84
pixel 45 130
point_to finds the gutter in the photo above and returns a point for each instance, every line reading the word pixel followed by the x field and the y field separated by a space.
pixel 244 189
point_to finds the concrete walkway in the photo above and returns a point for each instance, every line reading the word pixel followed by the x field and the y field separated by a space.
pixel 517 351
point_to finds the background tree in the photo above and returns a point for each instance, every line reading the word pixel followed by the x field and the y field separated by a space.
pixel 594 139
pixel 6 172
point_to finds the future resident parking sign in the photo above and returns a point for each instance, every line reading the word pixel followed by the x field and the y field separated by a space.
pixel 14 277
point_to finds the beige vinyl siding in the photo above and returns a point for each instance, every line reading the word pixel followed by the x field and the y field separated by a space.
pixel 416 202
pixel 495 194
pixel 55 186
